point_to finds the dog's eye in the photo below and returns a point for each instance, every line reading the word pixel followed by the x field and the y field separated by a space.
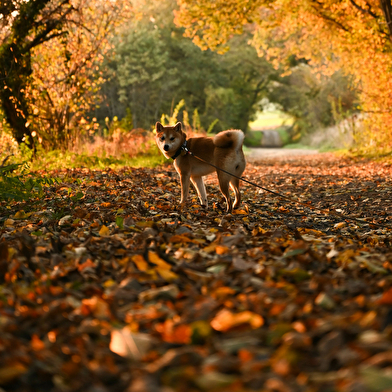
pixel 172 138
pixel 162 138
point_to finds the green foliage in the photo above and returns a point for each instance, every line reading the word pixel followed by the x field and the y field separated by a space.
pixel 284 134
pixel 196 120
pixel 212 125
pixel 311 100
pixel 155 67
pixel 253 139
pixel 174 117
pixel 21 186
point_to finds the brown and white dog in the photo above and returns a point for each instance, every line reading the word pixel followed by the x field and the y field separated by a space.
pixel 224 151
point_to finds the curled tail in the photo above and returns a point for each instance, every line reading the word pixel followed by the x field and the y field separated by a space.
pixel 232 138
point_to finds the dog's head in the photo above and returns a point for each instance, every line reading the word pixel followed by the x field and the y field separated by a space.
pixel 169 139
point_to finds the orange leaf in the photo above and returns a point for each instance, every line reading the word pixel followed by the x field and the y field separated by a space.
pixel 220 250
pixel 97 306
pixel 175 334
pixel 86 264
pixel 179 239
pixel 226 320
pixel 36 343
pixel 386 298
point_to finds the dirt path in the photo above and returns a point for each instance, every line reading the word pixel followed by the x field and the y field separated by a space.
pixel 255 154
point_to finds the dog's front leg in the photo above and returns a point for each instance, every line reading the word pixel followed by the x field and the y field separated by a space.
pixel 198 183
pixel 185 180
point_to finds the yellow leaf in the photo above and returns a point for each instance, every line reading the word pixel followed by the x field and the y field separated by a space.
pixel 154 258
pixel 145 224
pixel 210 248
pixel 8 373
pixel 167 274
pixel 9 223
pixel 140 263
pixel 109 283
pixel 20 215
pixel 104 231
pixel 346 256
pixel 163 268
pixel 201 328
pixel 240 212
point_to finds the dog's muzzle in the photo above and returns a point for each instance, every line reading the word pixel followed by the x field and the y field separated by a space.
pixel 166 147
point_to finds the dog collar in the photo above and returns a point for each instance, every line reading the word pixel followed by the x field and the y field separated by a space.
pixel 180 150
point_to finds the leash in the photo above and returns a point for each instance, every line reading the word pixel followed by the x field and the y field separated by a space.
pixel 328 212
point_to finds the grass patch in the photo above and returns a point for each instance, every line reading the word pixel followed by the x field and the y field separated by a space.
pixel 253 138
pixel 133 149
pixel 56 159
pixel 148 160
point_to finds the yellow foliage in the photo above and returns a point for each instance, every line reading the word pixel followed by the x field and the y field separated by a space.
pixel 351 35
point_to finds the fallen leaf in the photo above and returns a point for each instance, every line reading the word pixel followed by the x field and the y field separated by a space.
pixel 225 320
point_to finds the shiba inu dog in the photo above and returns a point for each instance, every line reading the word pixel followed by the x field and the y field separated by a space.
pixel 224 151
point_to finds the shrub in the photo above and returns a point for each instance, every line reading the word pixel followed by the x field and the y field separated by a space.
pixel 22 186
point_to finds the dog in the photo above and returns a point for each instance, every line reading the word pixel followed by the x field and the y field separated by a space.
pixel 224 150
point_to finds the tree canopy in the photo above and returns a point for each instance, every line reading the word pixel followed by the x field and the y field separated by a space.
pixel 155 67
pixel 353 35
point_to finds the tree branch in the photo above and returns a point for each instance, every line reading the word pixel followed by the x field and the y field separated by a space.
pixel 368 11
pixel 328 18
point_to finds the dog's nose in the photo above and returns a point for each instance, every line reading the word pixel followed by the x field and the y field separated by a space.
pixel 166 147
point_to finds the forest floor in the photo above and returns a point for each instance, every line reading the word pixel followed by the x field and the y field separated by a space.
pixel 106 284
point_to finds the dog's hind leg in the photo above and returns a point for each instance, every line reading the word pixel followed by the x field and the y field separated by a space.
pixel 234 181
pixel 235 184
pixel 198 183
pixel 224 181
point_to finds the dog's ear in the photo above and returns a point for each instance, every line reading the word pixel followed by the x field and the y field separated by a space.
pixel 158 127
pixel 178 127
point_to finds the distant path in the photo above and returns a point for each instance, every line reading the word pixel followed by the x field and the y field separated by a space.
pixel 255 154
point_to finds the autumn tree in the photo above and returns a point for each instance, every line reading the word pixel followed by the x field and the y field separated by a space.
pixel 348 34
pixel 67 75
pixel 24 26
pixel 50 50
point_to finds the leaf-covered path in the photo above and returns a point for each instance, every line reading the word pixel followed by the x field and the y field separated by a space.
pixel 107 285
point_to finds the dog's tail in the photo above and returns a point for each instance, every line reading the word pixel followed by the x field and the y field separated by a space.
pixel 232 138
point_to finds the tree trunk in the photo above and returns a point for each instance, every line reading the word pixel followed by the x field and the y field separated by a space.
pixel 386 7
pixel 15 60
pixel 15 69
